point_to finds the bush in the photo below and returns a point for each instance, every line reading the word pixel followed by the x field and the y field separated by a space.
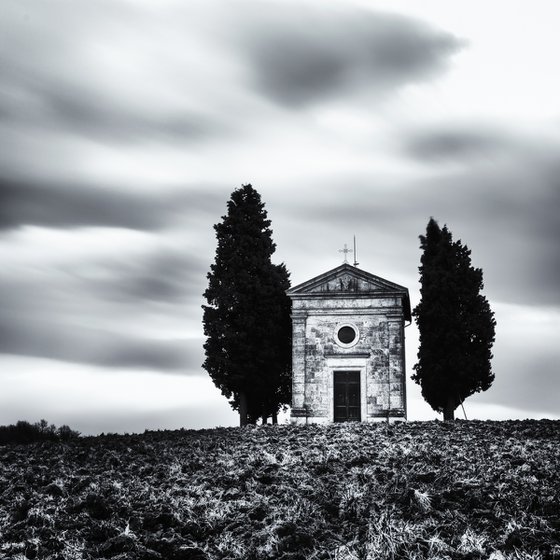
pixel 65 433
pixel 24 432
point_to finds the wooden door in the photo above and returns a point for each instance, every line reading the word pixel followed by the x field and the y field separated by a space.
pixel 347 396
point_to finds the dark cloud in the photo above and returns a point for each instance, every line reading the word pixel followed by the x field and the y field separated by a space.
pixel 106 310
pixel 82 72
pixel 457 144
pixel 42 104
pixel 29 336
pixel 161 276
pixel 302 54
pixel 24 202
pixel 167 278
pixel 104 119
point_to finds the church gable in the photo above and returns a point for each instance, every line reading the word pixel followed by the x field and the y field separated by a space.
pixel 346 279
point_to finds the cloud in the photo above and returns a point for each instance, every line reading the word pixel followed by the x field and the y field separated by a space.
pixel 162 276
pixel 117 280
pixel 132 304
pixel 457 143
pixel 304 54
pixel 78 110
pixel 106 73
pixel 66 206
pixel 503 191
pixel 504 208
pixel 48 339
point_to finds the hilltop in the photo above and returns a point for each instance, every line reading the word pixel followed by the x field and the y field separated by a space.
pixel 466 490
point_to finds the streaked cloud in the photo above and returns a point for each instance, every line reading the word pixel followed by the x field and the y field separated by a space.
pixel 102 307
pixel 460 143
pixel 308 53
pixel 59 205
pixel 47 338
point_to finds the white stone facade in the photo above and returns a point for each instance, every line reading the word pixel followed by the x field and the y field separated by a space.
pixel 348 348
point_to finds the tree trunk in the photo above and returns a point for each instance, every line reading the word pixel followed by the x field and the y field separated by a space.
pixel 264 418
pixel 242 409
pixel 275 418
pixel 449 410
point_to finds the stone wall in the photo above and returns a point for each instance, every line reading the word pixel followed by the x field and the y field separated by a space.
pixel 378 354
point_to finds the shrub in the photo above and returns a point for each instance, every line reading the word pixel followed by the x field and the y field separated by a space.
pixel 23 432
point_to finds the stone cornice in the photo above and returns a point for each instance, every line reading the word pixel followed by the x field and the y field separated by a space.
pixel 349 355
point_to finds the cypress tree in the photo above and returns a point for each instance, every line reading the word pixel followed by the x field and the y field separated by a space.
pixel 247 319
pixel 456 324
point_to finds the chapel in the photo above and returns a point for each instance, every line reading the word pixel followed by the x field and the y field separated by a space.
pixel 348 348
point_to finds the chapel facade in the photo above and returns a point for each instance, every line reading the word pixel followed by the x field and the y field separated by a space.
pixel 348 348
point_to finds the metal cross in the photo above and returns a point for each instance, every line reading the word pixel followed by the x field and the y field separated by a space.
pixel 345 251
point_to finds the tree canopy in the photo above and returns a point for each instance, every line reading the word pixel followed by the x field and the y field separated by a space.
pixel 456 324
pixel 247 319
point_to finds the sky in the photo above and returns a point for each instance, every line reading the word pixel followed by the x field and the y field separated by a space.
pixel 126 125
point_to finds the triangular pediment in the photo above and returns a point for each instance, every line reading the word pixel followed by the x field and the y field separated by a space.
pixel 346 279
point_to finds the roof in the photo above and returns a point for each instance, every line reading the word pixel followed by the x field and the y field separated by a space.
pixel 348 280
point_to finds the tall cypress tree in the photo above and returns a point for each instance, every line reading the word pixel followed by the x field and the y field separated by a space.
pixel 247 319
pixel 456 324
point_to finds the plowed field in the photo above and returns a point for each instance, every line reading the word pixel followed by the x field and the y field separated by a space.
pixel 467 490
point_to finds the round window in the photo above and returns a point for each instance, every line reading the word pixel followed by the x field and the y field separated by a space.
pixel 346 335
